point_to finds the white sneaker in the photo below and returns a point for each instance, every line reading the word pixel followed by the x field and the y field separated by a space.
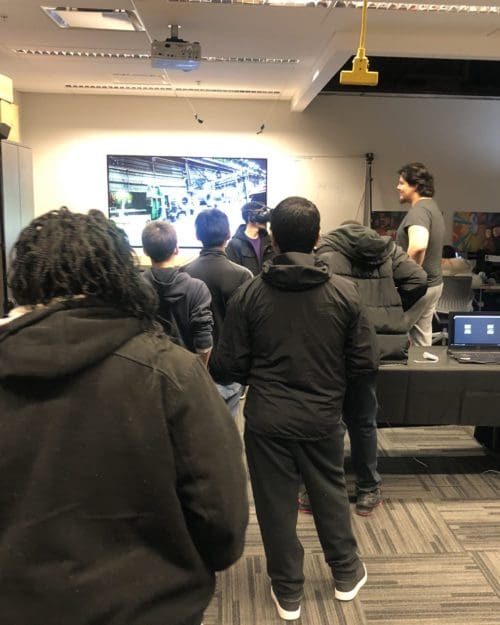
pixel 290 614
pixel 347 590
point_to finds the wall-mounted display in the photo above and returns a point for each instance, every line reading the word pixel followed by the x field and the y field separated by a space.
pixel 177 188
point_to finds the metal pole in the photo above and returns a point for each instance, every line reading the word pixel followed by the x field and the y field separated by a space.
pixel 367 214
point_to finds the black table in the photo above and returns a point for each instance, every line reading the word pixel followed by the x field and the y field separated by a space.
pixel 438 393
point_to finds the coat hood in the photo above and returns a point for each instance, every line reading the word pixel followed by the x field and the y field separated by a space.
pixel 61 339
pixel 169 282
pixel 295 271
pixel 359 243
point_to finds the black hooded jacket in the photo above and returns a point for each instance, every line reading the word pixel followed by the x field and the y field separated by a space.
pixel 121 486
pixel 240 250
pixel 389 281
pixel 184 307
pixel 294 334
pixel 222 278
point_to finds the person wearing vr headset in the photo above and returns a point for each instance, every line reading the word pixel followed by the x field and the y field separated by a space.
pixel 251 245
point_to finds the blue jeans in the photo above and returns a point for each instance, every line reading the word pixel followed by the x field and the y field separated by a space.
pixel 360 416
pixel 230 393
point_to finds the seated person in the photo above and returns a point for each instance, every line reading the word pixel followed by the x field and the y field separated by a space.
pixel 452 265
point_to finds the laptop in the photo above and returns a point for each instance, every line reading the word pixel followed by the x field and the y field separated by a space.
pixel 474 337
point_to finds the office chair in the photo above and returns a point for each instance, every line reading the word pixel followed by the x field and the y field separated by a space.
pixel 457 296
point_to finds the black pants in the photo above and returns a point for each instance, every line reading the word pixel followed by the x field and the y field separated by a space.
pixel 360 416
pixel 276 467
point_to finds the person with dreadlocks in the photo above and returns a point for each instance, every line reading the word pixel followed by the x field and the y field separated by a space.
pixel 122 487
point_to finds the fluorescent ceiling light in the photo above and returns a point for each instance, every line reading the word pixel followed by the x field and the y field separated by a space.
pixel 165 88
pixel 357 4
pixel 94 54
pixel 103 19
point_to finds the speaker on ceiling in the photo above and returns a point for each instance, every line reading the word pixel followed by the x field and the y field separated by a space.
pixel 4 130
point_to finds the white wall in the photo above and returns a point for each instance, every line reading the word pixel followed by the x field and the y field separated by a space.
pixel 318 153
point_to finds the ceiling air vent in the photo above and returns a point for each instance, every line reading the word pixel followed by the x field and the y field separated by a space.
pixel 103 19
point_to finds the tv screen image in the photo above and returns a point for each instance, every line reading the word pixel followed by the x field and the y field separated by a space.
pixel 176 188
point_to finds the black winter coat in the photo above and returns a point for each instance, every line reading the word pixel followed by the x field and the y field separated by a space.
pixel 184 307
pixel 389 281
pixel 122 487
pixel 294 334
pixel 240 250
pixel 222 278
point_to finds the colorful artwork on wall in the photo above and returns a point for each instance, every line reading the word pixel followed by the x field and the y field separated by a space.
pixel 386 223
pixel 473 231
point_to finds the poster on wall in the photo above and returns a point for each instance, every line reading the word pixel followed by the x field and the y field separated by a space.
pixel 473 231
pixel 386 223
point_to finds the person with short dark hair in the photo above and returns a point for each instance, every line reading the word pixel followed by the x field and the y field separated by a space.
pixel 251 245
pixel 184 301
pixel 421 235
pixel 295 334
pixel 119 497
pixel 448 252
pixel 222 278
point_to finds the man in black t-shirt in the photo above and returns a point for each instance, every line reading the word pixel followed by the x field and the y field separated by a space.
pixel 421 235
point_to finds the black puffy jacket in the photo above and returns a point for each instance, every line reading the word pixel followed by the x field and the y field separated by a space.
pixel 389 281
pixel 294 334
pixel 240 250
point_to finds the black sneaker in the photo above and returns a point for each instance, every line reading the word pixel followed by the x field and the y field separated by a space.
pixel 346 590
pixel 367 502
pixel 287 610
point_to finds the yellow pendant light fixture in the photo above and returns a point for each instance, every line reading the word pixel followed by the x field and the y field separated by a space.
pixel 359 75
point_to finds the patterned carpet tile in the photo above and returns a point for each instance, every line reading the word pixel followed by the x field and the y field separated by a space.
pixel 441 440
pixel 489 563
pixel 470 482
pixel 243 597
pixel 396 485
pixel 475 524
pixel 403 527
pixel 444 589
pixel 432 549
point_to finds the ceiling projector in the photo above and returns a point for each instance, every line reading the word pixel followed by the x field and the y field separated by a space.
pixel 175 54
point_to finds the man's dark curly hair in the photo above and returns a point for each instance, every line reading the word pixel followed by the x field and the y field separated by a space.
pixel 62 254
pixel 417 175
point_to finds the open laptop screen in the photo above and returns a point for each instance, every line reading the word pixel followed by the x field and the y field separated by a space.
pixel 474 329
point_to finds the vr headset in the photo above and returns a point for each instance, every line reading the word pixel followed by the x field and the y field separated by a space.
pixel 256 212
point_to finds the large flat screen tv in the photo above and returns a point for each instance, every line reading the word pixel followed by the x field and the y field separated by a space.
pixel 176 188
